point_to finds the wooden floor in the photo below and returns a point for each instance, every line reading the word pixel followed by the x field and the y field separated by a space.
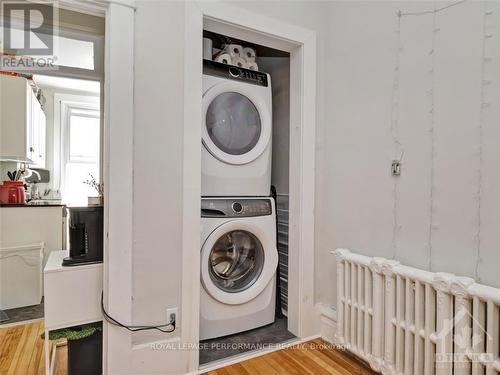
pixel 21 351
pixel 314 357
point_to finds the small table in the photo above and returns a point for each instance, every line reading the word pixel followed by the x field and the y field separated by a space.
pixel 72 296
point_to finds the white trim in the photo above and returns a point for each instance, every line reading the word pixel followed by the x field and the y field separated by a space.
pixel 118 179
pixel 301 43
pixel 118 110
pixel 327 320
pixel 191 203
pixel 94 7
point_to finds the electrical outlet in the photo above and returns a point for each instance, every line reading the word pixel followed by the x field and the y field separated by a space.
pixel 173 314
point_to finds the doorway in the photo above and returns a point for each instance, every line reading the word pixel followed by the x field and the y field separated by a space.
pixel 301 45
pixel 247 100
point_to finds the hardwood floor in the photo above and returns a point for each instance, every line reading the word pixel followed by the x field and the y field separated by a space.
pixel 314 357
pixel 21 351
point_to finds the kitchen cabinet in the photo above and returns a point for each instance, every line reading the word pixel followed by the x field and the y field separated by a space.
pixel 36 139
pixel 22 123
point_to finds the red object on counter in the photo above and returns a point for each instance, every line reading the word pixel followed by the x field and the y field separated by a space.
pixel 12 192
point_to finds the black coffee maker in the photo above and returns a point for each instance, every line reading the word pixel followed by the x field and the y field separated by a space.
pixel 86 227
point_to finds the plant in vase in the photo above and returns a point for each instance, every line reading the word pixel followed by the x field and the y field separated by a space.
pixel 98 187
pixel 84 348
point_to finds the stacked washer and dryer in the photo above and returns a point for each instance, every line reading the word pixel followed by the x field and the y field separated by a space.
pixel 238 219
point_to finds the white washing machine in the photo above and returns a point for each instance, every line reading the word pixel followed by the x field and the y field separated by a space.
pixel 236 131
pixel 238 265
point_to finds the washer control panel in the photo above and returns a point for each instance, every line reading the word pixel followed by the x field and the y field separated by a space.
pixel 224 207
pixel 236 73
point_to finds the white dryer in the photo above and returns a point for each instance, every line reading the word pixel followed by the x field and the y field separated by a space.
pixel 238 265
pixel 236 131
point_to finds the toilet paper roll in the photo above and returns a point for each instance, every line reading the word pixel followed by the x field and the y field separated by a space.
pixel 223 58
pixel 252 66
pixel 234 50
pixel 207 49
pixel 239 62
pixel 249 54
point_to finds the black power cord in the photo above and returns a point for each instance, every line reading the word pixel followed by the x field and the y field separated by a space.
pixel 115 322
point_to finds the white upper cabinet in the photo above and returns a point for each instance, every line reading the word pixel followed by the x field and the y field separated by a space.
pixel 22 123
pixel 37 139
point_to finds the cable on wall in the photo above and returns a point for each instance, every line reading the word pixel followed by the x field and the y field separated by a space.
pixel 137 328
pixel 394 129
pixel 432 120
pixel 433 11
pixel 398 150
pixel 483 106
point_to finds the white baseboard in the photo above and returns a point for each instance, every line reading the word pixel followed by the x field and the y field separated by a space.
pixel 328 321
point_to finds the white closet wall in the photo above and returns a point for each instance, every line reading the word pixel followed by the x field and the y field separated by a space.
pixel 279 69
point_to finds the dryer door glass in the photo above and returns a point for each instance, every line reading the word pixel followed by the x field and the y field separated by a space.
pixel 236 261
pixel 233 123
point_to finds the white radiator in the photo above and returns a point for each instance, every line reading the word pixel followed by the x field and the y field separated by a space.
pixel 404 320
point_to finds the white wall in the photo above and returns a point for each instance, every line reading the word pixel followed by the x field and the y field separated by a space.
pixel 444 208
pixel 157 207
pixel 279 69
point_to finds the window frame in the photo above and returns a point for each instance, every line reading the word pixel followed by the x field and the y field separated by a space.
pixel 62 105
pixel 66 126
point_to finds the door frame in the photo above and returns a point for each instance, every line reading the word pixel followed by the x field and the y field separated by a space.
pixel 117 110
pixel 301 43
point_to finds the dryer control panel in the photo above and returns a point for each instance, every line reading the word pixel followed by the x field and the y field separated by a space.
pixel 224 207
pixel 235 73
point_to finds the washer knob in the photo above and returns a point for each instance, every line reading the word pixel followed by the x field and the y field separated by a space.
pixel 237 207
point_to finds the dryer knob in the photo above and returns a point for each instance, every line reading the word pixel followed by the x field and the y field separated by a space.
pixel 235 72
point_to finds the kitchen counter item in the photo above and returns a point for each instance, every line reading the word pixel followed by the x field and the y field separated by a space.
pixel 12 192
pixel 86 226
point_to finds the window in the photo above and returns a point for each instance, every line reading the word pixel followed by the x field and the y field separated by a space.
pixel 81 129
pixel 84 136
pixel 75 53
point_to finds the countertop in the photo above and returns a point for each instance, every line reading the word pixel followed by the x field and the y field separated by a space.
pixel 33 205
pixel 54 263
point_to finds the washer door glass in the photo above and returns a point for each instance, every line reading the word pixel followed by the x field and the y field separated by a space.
pixel 236 261
pixel 233 123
